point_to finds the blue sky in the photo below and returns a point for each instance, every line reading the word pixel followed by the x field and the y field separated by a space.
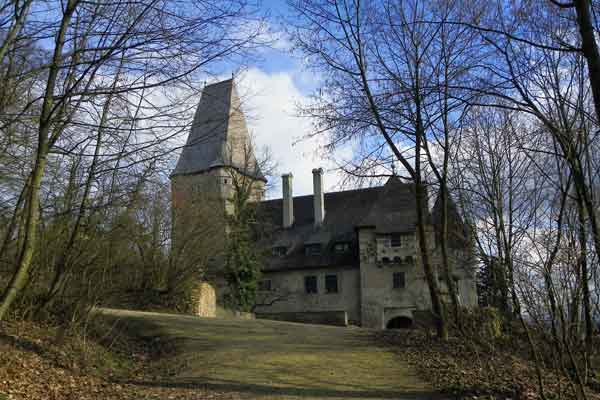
pixel 271 88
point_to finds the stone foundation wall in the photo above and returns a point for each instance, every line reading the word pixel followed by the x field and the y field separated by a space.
pixel 205 301
pixel 423 319
pixel 337 318
pixel 226 313
pixel 288 294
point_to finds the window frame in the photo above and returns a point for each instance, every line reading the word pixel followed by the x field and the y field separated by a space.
pixel 341 247
pixel 399 283
pixel 261 284
pixel 383 241
pixel 328 289
pixel 279 251
pixel 396 240
pixel 309 249
pixel 310 289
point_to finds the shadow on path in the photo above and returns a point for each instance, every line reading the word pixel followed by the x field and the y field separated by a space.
pixel 267 390
pixel 258 359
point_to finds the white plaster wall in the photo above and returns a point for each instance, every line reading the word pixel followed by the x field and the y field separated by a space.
pixel 289 287
pixel 380 301
pixel 378 293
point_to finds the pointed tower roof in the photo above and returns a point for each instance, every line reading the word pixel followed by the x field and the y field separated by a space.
pixel 219 135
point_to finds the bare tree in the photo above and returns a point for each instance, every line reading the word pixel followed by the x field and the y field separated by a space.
pixel 396 74
pixel 243 256
pixel 125 51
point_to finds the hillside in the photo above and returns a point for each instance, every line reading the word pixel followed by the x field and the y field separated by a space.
pixel 185 357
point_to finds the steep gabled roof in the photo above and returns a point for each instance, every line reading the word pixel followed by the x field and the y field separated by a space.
pixel 388 208
pixel 458 231
pixel 219 135
pixel 395 208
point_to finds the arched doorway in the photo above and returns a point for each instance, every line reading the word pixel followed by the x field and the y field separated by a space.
pixel 399 323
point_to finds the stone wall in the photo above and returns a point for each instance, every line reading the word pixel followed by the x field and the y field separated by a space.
pixel 197 201
pixel 226 313
pixel 205 300
pixel 367 294
pixel 287 294
pixel 381 302
pixel 200 200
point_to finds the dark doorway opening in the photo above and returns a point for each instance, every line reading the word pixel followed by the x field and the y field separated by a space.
pixel 400 323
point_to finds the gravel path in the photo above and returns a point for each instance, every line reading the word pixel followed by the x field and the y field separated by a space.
pixel 259 359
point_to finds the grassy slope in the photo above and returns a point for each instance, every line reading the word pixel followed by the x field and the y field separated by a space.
pixel 268 359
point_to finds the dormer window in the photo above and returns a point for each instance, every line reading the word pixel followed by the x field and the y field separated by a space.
pixel 313 249
pixel 279 251
pixel 341 248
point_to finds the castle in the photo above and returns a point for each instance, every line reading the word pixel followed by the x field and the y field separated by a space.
pixel 348 257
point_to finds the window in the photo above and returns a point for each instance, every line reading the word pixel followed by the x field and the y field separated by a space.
pixel 264 285
pixel 341 248
pixel 398 259
pixel 331 284
pixel 437 271
pixel 279 251
pixel 396 240
pixel 310 284
pixel 383 241
pixel 313 249
pixel 399 280
pixel 385 260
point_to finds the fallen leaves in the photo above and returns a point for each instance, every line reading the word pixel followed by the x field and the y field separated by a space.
pixel 466 370
pixel 33 368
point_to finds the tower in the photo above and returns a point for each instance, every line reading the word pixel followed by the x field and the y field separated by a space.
pixel 217 147
pixel 217 152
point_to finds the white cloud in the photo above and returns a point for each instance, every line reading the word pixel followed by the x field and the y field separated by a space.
pixel 270 101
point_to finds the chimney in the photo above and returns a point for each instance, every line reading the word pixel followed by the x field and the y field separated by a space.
pixel 288 200
pixel 319 201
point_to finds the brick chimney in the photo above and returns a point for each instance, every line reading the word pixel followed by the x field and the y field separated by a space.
pixel 319 201
pixel 288 200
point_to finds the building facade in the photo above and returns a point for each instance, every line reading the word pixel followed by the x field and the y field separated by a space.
pixel 348 257
pixel 353 257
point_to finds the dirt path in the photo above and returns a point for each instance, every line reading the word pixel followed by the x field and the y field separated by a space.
pixel 276 360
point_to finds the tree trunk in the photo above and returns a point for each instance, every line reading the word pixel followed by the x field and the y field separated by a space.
pixel 20 277
pixel 15 28
pixel 446 260
pixel 14 220
pixel 589 48
pixel 421 204
pixel 587 312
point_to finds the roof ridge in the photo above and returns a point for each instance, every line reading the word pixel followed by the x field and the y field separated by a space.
pixel 219 125
pixel 219 82
pixel 373 188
